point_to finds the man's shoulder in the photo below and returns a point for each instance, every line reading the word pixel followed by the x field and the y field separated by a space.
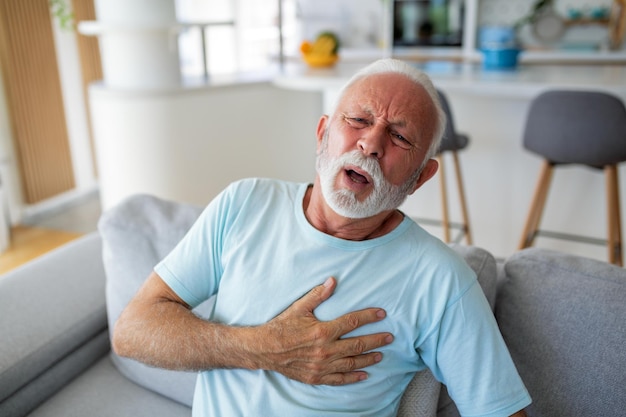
pixel 434 258
pixel 262 184
pixel 431 249
pixel 255 193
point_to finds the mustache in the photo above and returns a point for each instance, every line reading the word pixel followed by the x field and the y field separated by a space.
pixel 368 164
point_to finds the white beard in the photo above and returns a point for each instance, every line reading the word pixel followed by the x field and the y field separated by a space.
pixel 384 196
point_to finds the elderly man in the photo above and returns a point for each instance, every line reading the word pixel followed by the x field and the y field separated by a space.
pixel 328 299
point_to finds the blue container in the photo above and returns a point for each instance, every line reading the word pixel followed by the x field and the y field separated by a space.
pixel 499 47
pixel 496 36
pixel 500 58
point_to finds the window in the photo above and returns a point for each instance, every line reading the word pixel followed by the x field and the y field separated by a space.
pixel 231 35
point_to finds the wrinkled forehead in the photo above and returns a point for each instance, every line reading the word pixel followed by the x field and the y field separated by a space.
pixel 385 86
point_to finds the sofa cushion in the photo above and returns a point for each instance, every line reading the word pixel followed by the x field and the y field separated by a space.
pixel 101 391
pixel 564 320
pixel 42 321
pixel 136 234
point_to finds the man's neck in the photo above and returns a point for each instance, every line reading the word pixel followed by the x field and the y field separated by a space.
pixel 324 219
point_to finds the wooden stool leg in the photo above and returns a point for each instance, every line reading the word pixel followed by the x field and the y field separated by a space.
pixel 445 222
pixel 536 206
pixel 614 241
pixel 459 182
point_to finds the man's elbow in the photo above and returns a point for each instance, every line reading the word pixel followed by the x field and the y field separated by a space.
pixel 122 339
pixel 117 342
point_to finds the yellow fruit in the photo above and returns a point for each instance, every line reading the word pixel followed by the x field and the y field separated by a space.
pixel 330 36
pixel 306 47
pixel 324 45
pixel 322 52
pixel 316 60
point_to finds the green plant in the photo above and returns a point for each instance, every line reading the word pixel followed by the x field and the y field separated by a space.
pixel 538 8
pixel 62 11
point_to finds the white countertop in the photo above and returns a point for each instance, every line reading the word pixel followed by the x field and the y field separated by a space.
pixel 524 82
pixel 533 55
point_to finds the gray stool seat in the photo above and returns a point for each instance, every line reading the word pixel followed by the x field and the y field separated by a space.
pixel 451 143
pixel 452 140
pixel 577 127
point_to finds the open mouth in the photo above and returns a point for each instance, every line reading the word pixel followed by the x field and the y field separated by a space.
pixel 357 177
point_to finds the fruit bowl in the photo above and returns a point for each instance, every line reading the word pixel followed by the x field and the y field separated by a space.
pixel 322 52
pixel 320 60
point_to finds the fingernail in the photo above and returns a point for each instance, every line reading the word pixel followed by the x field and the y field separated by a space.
pixel 381 314
pixel 363 377
pixel 378 357
pixel 389 339
pixel 328 282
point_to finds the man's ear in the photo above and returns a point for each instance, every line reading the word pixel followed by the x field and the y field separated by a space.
pixel 322 125
pixel 429 170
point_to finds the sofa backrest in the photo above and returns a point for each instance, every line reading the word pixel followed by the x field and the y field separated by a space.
pixel 136 234
pixel 564 320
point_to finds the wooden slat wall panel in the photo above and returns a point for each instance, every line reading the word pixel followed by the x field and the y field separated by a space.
pixel 90 62
pixel 31 79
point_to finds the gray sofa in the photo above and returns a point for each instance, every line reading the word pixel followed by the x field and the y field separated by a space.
pixel 563 318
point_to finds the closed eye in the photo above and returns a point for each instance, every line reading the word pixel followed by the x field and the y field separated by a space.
pixel 401 141
pixel 357 121
pixel 396 138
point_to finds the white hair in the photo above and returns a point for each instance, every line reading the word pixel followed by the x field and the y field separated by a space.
pixel 419 77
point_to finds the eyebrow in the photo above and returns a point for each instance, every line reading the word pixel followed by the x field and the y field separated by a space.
pixel 398 123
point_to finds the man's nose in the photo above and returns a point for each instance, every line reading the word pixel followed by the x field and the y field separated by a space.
pixel 372 142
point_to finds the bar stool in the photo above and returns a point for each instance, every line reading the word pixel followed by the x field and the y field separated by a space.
pixel 577 127
pixel 451 143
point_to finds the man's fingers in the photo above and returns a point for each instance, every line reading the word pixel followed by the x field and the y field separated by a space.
pixel 355 319
pixel 358 345
pixel 346 323
pixel 316 352
pixel 343 378
pixel 311 300
pixel 348 370
pixel 343 371
pixel 355 363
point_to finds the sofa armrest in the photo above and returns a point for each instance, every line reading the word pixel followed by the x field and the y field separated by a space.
pixel 52 321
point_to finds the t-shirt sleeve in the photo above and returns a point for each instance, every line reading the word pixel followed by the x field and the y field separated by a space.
pixel 469 356
pixel 193 268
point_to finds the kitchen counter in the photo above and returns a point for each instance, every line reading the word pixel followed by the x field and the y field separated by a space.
pixel 525 81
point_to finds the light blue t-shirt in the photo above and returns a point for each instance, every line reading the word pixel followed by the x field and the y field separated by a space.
pixel 255 251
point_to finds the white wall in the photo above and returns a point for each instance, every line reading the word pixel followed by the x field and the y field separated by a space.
pixel 187 145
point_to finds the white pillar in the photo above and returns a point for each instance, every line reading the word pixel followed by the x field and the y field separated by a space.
pixel 138 43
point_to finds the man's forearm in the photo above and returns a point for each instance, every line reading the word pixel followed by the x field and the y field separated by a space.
pixel 165 334
pixel 159 329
